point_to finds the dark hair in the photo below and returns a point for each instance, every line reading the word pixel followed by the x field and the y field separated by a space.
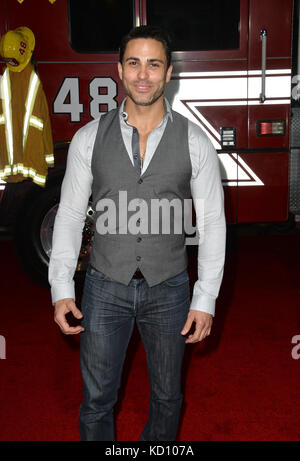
pixel 154 32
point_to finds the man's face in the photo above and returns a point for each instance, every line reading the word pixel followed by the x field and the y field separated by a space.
pixel 144 71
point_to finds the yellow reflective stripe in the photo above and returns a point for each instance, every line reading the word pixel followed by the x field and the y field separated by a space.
pixel 5 172
pixel 39 180
pixel 49 158
pixel 36 122
pixel 33 87
pixel 5 84
pixel 24 171
pixel 11 169
pixel 2 119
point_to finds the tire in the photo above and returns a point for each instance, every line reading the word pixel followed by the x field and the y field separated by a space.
pixel 33 236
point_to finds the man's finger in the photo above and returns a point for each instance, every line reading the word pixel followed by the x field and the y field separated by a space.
pixel 74 330
pixel 75 311
pixel 187 326
pixel 66 329
pixel 62 308
pixel 198 335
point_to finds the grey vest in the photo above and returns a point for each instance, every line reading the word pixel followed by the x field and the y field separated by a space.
pixel 159 252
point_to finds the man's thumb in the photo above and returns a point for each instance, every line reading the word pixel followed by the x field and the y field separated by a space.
pixel 76 312
pixel 187 326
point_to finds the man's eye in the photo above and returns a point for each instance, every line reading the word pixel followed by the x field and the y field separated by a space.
pixel 132 63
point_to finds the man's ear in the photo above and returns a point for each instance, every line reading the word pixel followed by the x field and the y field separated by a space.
pixel 120 70
pixel 169 73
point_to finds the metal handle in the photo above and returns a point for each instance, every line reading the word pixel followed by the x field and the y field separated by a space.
pixel 263 37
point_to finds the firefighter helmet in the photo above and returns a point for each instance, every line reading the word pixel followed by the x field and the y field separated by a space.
pixel 17 46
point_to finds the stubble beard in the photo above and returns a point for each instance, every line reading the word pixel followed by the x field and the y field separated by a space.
pixel 155 97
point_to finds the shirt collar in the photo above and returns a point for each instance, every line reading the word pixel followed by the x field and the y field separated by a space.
pixel 168 112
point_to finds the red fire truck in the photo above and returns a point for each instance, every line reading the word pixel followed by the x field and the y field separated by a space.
pixel 235 74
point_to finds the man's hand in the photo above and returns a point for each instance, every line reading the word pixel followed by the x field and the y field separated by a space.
pixel 203 326
pixel 62 307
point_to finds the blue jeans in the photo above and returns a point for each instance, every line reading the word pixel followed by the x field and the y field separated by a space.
pixel 110 310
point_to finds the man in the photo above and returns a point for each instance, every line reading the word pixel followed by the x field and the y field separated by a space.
pixel 149 152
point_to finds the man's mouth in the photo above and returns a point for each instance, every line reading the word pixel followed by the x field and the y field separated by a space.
pixel 142 87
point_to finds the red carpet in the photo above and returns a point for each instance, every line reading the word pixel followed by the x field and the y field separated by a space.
pixel 241 384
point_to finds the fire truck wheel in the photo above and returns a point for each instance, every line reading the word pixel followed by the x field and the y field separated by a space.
pixel 33 236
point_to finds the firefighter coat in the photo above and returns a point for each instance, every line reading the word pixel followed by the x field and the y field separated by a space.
pixel 26 145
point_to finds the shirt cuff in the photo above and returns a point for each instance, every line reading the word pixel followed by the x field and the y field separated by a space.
pixel 204 304
pixel 62 290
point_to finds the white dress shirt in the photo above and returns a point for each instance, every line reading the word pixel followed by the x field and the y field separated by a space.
pixel 206 187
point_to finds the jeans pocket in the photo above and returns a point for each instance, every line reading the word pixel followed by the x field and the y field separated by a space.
pixel 95 274
pixel 177 280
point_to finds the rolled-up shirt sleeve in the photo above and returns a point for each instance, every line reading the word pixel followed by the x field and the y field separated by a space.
pixel 71 214
pixel 208 198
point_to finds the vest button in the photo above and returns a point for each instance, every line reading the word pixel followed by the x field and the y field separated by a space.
pixel 138 258
pixel 140 181
pixel 139 239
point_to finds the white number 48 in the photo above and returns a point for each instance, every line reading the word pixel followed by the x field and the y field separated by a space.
pixel 67 100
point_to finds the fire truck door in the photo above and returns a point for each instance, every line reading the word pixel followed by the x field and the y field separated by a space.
pixel 269 89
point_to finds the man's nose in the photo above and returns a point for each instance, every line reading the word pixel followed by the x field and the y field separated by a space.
pixel 143 72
